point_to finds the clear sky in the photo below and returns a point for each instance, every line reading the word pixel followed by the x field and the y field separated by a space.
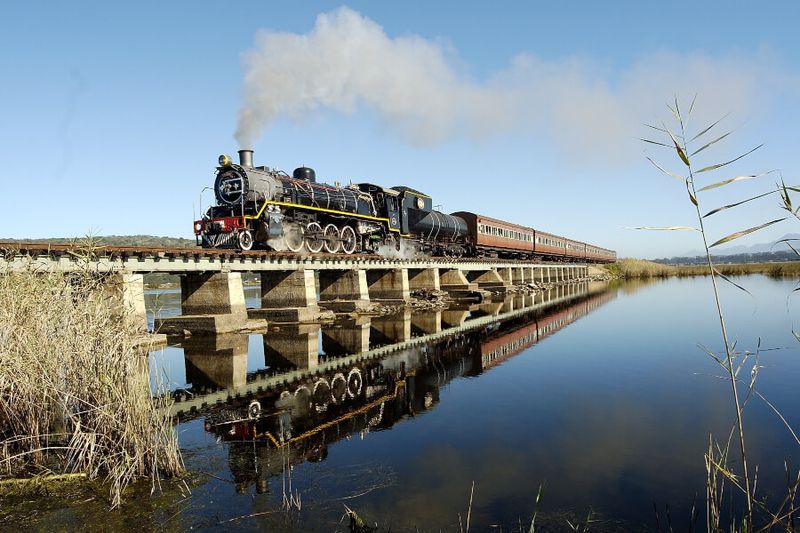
pixel 114 113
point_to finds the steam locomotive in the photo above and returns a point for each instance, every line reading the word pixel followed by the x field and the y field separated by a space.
pixel 263 208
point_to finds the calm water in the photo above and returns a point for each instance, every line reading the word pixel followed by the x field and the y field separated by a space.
pixel 601 394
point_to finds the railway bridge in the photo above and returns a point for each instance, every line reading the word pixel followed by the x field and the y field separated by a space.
pixel 294 287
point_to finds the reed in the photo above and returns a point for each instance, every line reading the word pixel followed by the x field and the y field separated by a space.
pixel 75 394
pixel 721 459
pixel 639 268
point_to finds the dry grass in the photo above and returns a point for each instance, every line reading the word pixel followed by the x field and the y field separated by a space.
pixel 775 270
pixel 74 390
pixel 638 268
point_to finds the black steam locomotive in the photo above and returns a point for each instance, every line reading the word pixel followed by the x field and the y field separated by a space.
pixel 259 207
pixel 263 208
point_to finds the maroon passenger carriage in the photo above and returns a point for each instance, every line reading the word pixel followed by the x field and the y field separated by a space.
pixel 495 238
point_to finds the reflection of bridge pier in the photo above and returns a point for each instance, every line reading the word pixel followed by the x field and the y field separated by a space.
pixel 453 318
pixel 391 329
pixel 489 308
pixel 348 337
pixel 510 303
pixel 427 322
pixel 219 361
pixel 292 346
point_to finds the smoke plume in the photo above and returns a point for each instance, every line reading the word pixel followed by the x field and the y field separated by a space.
pixel 419 88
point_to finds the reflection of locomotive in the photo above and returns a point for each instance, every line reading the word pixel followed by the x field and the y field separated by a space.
pixel 259 207
pixel 309 415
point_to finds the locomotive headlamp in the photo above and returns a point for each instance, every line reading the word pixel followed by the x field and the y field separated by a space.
pixel 198 226
pixel 420 203
pixel 224 160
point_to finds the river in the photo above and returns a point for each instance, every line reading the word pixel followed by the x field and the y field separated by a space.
pixel 599 394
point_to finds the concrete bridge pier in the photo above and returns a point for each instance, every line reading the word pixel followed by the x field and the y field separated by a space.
pixel 211 302
pixel 219 361
pixel 486 279
pixel 527 275
pixel 424 278
pixel 292 346
pixel 343 291
pixel 456 283
pixel 506 274
pixel 388 286
pixel 518 275
pixel 126 290
pixel 351 337
pixel 287 296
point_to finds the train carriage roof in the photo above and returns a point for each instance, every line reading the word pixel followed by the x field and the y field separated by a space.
pixel 491 220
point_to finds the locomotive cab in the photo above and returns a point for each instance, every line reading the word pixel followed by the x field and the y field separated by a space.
pixel 387 204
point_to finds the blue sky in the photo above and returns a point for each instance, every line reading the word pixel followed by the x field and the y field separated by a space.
pixel 114 113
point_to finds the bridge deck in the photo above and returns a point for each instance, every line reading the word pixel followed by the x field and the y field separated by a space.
pixel 137 259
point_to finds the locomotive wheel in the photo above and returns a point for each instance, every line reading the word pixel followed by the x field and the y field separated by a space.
pixel 302 399
pixel 254 409
pixel 338 388
pixel 245 240
pixel 314 242
pixel 293 235
pixel 349 240
pixel 331 239
pixel 321 396
pixel 354 383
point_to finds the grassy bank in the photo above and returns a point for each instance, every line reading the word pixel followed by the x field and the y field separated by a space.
pixel 74 389
pixel 638 268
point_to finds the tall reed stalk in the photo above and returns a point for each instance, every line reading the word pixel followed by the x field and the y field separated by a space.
pixel 679 143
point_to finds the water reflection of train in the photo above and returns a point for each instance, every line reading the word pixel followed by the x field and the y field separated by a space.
pixel 299 421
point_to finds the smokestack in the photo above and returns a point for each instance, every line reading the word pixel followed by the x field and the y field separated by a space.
pixel 246 158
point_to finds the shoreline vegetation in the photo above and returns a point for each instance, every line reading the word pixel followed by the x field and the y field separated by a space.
pixel 75 394
pixel 641 269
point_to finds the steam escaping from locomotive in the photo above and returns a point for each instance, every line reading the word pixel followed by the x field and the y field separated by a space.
pixel 419 88
pixel 348 60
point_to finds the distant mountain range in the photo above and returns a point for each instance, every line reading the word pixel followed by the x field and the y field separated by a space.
pixel 148 241
pixel 754 248
pixel 756 253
